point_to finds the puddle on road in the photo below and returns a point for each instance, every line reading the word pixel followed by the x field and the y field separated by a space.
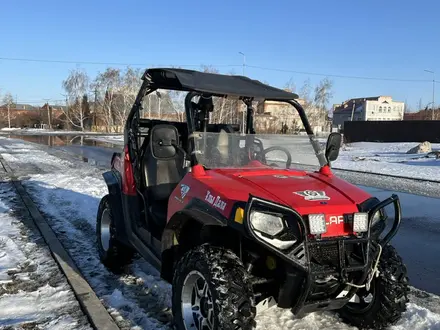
pixel 64 140
pixel 93 152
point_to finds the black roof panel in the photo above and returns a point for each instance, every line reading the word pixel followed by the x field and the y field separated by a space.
pixel 216 84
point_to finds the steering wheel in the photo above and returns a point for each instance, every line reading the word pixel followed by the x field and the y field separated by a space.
pixel 287 152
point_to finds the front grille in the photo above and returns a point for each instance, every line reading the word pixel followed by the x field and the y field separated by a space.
pixel 325 255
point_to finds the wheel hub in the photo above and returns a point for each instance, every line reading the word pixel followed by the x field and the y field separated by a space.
pixel 204 307
pixel 197 303
pixel 105 229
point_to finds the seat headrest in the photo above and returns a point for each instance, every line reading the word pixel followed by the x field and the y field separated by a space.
pixel 162 140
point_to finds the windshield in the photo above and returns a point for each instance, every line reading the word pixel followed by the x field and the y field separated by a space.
pixel 235 150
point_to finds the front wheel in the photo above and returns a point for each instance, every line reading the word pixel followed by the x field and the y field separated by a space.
pixel 212 291
pixel 384 304
pixel 112 253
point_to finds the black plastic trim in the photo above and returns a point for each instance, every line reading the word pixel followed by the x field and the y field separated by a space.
pixel 114 184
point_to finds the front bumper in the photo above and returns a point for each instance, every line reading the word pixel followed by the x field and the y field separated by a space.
pixel 299 291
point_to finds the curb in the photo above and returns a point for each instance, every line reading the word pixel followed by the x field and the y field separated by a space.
pixel 92 307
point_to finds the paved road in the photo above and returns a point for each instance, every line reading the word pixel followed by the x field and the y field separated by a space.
pixel 418 240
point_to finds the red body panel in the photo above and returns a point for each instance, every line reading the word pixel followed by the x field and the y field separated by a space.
pixel 221 188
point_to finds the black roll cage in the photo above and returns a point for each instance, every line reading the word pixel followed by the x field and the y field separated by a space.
pixel 149 87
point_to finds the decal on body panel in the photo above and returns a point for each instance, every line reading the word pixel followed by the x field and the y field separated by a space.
pixel 184 189
pixel 313 195
pixel 215 201
pixel 335 220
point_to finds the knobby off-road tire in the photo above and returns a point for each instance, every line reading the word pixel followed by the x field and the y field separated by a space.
pixel 230 297
pixel 112 253
pixel 390 295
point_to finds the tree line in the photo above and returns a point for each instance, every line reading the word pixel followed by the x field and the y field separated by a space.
pixel 105 100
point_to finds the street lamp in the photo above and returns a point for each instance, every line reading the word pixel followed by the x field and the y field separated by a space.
pixel 244 65
pixel 433 91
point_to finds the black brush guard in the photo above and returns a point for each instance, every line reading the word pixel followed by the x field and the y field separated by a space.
pixel 301 271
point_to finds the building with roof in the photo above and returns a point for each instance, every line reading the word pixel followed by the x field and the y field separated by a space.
pixel 377 108
pixel 425 114
pixel 279 114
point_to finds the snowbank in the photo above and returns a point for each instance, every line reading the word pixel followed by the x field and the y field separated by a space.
pixel 32 291
pixel 388 158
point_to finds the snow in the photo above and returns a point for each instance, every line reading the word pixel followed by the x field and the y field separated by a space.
pixel 43 131
pixel 32 290
pixel 388 158
pixel 114 139
pixel 68 193
pixel 416 317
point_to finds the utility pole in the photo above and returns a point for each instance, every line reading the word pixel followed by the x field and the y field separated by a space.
pixel 48 113
pixel 433 93
pixel 9 114
pixel 243 117
pixel 95 108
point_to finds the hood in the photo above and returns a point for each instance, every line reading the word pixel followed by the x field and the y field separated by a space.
pixel 303 191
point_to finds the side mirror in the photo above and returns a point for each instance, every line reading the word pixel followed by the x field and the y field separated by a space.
pixel 334 142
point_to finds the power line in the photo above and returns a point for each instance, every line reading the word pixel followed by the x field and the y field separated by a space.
pixel 337 76
pixel 219 65
pixel 105 63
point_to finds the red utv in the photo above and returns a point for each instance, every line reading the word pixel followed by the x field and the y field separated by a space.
pixel 234 229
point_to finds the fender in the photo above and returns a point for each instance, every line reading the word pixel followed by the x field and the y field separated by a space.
pixel 113 180
pixel 195 210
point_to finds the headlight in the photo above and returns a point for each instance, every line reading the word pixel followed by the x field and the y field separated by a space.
pixel 271 225
pixel 317 224
pixel 378 216
pixel 360 222
pixel 266 223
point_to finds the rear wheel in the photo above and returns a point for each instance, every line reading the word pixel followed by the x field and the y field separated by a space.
pixel 211 291
pixel 113 254
pixel 384 304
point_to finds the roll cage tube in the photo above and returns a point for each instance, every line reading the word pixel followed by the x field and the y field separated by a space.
pixel 191 126
pixel 302 114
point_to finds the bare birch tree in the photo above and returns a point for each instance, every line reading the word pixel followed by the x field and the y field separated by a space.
pixel 8 100
pixel 126 93
pixel 323 94
pixel 76 85
pixel 106 86
pixel 177 104
pixel 315 102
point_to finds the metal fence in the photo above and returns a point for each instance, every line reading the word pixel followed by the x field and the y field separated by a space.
pixel 392 131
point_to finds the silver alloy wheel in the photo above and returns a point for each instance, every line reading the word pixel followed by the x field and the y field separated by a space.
pixel 197 303
pixel 105 229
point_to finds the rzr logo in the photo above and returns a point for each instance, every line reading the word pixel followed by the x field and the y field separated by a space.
pixel 313 195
